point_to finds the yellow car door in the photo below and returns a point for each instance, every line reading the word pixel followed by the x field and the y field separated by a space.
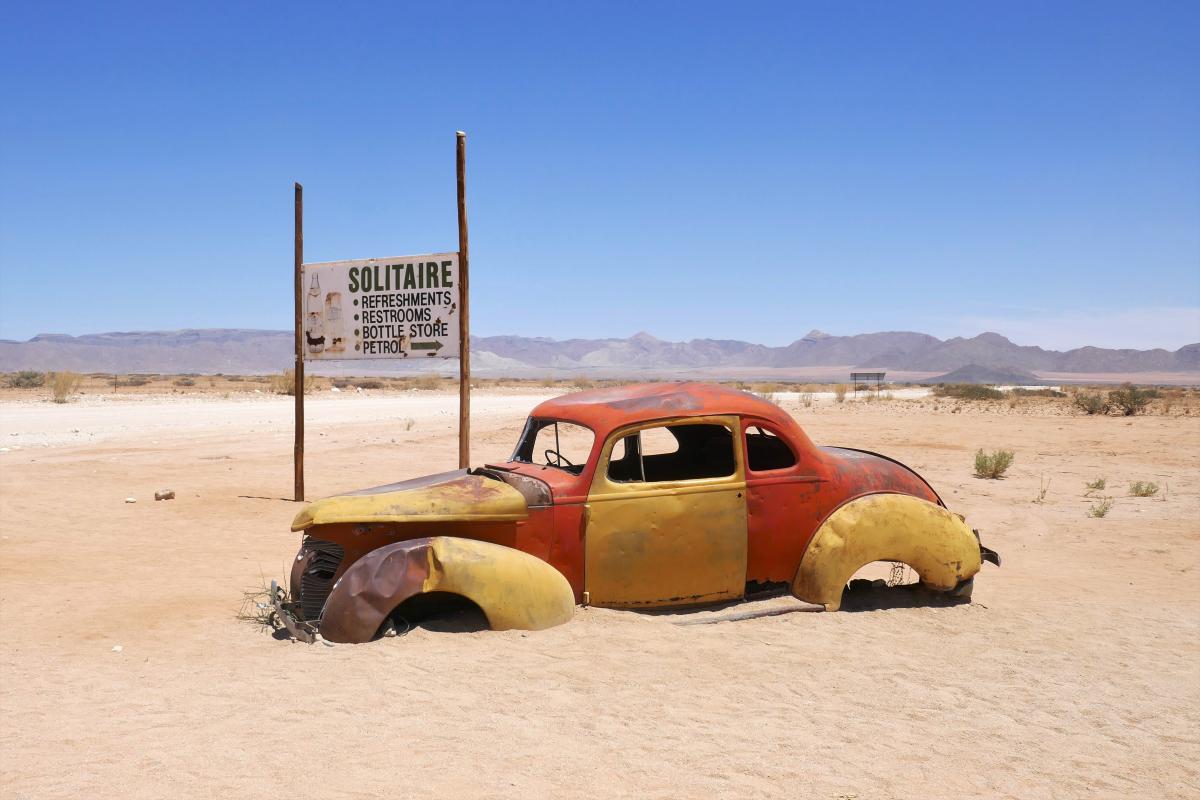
pixel 666 515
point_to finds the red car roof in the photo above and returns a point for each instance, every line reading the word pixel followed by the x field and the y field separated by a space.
pixel 602 410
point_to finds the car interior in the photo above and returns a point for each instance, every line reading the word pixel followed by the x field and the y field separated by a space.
pixel 700 451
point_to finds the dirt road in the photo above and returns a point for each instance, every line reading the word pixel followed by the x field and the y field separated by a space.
pixel 1076 673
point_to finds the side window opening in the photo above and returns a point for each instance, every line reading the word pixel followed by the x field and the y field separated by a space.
pixel 555 443
pixel 766 451
pixel 674 453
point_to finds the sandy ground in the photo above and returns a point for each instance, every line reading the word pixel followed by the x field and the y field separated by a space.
pixel 1076 672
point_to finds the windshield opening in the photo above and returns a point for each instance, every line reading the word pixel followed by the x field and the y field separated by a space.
pixel 555 443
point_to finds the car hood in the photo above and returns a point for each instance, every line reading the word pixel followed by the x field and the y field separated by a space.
pixel 456 496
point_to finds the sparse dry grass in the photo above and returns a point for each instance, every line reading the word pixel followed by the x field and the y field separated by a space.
pixel 285 383
pixel 63 385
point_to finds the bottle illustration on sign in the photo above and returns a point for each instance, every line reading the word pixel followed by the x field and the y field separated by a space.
pixel 314 326
pixel 333 322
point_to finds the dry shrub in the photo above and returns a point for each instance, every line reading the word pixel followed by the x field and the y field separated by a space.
pixel 1090 404
pixel 839 393
pixel 992 465
pixel 424 383
pixel 1142 489
pixel 1102 508
pixel 1020 392
pixel 806 399
pixel 26 379
pixel 968 391
pixel 1131 400
pixel 63 385
pixel 285 383
pixel 185 381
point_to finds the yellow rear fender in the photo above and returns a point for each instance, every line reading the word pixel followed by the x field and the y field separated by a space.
pixel 514 590
pixel 886 527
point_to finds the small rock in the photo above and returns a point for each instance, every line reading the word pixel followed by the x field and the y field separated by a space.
pixel 117 648
pixel 165 494
pixel 130 499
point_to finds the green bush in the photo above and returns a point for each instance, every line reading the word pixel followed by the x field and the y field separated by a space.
pixel 968 391
pixel 1142 489
pixel 1091 404
pixel 1131 400
pixel 1102 508
pixel 26 379
pixel 992 465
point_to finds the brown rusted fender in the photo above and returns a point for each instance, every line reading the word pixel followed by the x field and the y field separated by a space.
pixel 512 588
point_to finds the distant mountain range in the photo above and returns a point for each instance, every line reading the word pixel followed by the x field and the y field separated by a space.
pixel 256 351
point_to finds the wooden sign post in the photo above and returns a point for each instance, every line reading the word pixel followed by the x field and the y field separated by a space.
pixel 397 308
pixel 464 317
pixel 298 449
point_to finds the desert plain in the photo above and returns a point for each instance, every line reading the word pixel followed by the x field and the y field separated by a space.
pixel 126 672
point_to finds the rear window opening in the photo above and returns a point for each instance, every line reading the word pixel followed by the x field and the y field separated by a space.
pixel 766 451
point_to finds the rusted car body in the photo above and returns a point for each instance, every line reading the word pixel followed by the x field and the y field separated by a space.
pixel 677 494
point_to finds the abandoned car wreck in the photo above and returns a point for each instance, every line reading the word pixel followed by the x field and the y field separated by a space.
pixel 653 495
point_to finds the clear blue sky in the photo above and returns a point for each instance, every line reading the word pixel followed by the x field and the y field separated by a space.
pixel 726 170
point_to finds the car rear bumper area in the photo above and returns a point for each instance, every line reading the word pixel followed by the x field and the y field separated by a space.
pixel 986 553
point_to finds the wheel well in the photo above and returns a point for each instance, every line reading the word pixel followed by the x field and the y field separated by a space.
pixel 438 611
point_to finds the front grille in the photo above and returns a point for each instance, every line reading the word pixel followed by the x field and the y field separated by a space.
pixel 317 579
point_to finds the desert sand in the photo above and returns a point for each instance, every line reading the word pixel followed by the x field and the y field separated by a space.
pixel 125 673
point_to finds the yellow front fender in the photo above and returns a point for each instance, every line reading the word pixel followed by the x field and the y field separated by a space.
pixel 886 527
pixel 450 497
pixel 514 589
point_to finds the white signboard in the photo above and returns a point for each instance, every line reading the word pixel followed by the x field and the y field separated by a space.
pixel 404 307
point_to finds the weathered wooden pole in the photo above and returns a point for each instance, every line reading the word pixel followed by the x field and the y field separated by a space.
pixel 464 315
pixel 298 452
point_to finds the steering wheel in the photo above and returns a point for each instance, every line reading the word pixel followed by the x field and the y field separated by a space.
pixel 559 458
